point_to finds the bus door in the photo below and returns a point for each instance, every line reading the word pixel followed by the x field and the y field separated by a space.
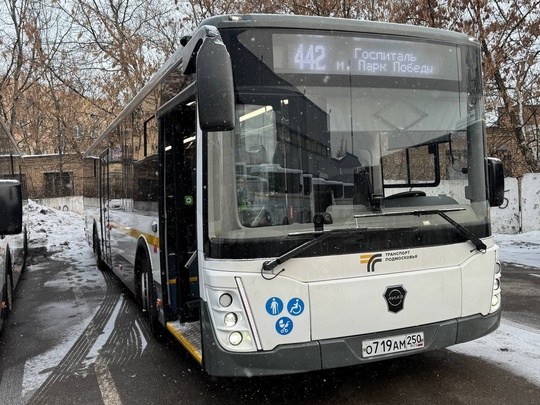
pixel 104 206
pixel 178 129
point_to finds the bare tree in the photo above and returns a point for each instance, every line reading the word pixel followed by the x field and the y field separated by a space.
pixel 68 66
pixel 124 41
pixel 508 32
pixel 17 53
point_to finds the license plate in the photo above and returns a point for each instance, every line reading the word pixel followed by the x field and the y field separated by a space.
pixel 393 344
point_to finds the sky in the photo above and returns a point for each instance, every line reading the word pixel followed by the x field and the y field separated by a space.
pixel 514 346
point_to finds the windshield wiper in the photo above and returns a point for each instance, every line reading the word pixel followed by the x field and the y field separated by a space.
pixel 318 236
pixel 480 246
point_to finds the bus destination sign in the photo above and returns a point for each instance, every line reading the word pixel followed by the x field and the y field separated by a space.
pixel 343 55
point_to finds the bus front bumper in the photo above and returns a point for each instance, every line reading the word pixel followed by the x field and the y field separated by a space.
pixel 333 353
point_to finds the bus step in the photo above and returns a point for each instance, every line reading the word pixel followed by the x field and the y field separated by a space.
pixel 189 335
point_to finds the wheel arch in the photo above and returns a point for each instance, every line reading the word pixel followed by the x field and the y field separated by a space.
pixel 7 270
pixel 95 235
pixel 142 252
pixel 8 262
pixel 25 244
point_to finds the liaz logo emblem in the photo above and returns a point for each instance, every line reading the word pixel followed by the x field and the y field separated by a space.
pixel 395 298
pixel 371 260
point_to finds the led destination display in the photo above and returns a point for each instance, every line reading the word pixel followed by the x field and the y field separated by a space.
pixel 343 55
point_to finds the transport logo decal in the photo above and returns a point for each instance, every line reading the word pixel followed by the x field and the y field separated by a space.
pixel 395 298
pixel 371 259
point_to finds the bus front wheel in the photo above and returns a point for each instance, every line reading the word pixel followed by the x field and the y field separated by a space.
pixel 97 249
pixel 147 294
pixel 7 296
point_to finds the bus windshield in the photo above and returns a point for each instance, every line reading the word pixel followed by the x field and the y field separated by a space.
pixel 347 126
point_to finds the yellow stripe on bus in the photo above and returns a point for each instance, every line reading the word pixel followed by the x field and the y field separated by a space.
pixel 182 339
pixel 153 240
pixel 191 280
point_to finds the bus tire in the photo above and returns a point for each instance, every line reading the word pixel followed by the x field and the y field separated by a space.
pixel 147 294
pixel 7 294
pixel 97 249
pixel 25 247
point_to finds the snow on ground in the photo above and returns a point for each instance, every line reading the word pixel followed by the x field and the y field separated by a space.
pixel 62 233
pixel 523 248
pixel 59 231
pixel 513 346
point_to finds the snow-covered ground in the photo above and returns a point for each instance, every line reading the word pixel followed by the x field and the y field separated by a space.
pixel 523 248
pixel 62 233
pixel 513 346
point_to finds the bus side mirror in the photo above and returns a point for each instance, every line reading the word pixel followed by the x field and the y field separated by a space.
pixel 215 88
pixel 11 209
pixel 496 182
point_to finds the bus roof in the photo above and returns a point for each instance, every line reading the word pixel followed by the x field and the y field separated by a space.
pixel 337 24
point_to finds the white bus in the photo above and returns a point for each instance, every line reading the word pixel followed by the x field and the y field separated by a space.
pixel 289 194
pixel 13 232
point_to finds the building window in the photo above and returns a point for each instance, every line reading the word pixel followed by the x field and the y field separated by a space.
pixel 58 184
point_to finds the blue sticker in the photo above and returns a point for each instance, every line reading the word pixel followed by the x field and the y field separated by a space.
pixel 295 306
pixel 274 306
pixel 284 325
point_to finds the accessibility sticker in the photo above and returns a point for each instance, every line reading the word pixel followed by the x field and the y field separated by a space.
pixel 295 306
pixel 274 306
pixel 284 325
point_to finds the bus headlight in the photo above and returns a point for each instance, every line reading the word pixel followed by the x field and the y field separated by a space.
pixel 498 267
pixel 235 338
pixel 225 300
pixel 230 319
pixel 496 293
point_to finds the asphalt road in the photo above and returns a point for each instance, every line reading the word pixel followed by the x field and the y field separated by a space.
pixel 76 336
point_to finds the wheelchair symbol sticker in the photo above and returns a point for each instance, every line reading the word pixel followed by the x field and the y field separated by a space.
pixel 274 306
pixel 284 326
pixel 295 306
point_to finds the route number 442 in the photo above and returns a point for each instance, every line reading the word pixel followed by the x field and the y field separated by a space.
pixel 310 57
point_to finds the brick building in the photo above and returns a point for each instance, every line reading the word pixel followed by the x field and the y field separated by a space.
pixel 53 175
